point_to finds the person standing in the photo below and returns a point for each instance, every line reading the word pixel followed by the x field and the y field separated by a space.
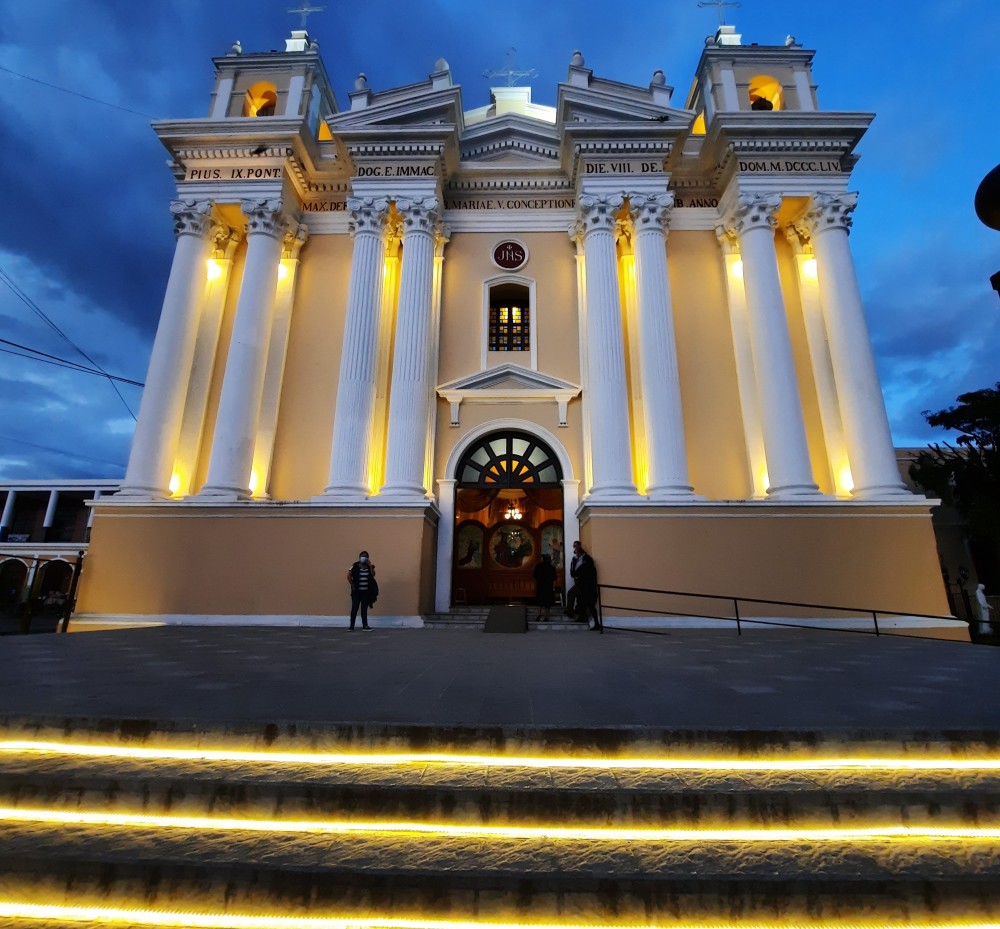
pixel 361 577
pixel 545 579
pixel 582 596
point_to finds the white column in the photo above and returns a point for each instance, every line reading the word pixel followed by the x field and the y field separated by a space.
pixel 611 450
pixel 8 514
pixel 50 509
pixel 90 516
pixel 229 470
pixel 442 236
pixel 189 442
pixel 822 367
pixel 157 429
pixel 445 544
pixel 866 425
pixel 659 375
pixel 746 382
pixel 411 364
pixel 354 416
pixel 274 374
pixel 576 234
pixel 785 446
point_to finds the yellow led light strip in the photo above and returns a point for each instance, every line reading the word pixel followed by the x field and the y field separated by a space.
pixel 137 917
pixel 478 831
pixel 495 761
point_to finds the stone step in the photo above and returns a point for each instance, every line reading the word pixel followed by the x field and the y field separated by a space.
pixel 464 826
pixel 538 797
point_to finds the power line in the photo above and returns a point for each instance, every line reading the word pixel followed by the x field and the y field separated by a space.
pixel 74 93
pixel 46 358
pixel 37 310
pixel 59 451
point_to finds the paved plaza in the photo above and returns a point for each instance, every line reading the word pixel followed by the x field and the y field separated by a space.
pixel 766 679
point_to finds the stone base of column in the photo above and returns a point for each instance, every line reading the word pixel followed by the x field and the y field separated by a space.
pixel 796 492
pixel 613 493
pixel 673 493
pixel 342 493
pixel 224 494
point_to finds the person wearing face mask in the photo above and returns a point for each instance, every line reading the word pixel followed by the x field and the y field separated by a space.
pixel 364 588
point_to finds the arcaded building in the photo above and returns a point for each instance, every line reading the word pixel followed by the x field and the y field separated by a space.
pixel 461 336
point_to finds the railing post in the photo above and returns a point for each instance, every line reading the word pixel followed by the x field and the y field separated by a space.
pixel 71 597
pixel 875 620
pixel 736 609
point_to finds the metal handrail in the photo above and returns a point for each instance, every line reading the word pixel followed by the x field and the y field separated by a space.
pixel 740 620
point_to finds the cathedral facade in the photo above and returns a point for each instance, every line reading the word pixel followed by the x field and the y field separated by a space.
pixel 462 339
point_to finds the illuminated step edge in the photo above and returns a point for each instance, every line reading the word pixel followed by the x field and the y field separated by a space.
pixel 399 759
pixel 452 830
pixel 139 917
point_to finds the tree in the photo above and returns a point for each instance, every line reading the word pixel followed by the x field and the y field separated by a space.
pixel 966 475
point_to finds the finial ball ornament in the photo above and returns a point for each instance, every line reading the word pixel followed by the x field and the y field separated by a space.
pixel 577 60
pixel 988 199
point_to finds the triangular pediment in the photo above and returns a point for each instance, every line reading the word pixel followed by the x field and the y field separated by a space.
pixel 612 103
pixel 509 377
pixel 511 138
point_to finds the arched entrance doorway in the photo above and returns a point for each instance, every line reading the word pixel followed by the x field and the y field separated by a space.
pixel 508 513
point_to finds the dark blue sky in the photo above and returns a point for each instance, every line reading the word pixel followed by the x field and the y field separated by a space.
pixel 87 236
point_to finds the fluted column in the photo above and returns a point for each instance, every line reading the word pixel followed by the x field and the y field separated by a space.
pixel 352 423
pixel 822 367
pixel 658 373
pixel 411 364
pixel 229 469
pixel 8 514
pixel 158 426
pixel 611 450
pixel 865 423
pixel 785 446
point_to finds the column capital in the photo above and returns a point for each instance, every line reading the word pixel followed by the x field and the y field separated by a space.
pixel 651 212
pixel 264 217
pixel 368 214
pixel 728 240
pixel 296 234
pixel 598 213
pixel 754 211
pixel 442 236
pixel 224 240
pixel 829 211
pixel 798 239
pixel 419 215
pixel 191 217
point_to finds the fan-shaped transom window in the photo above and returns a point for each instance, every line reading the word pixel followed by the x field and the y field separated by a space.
pixel 509 459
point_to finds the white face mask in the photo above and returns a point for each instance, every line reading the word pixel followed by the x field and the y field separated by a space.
pixel 363 559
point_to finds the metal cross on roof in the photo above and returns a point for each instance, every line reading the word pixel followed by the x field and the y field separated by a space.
pixel 720 4
pixel 305 10
pixel 509 72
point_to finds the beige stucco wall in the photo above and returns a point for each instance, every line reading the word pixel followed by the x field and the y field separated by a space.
pixel 253 560
pixel 301 463
pixel 706 361
pixel 873 557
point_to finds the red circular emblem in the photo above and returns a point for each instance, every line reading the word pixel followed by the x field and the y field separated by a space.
pixel 509 255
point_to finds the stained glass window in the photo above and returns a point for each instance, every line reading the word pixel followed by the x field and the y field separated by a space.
pixel 508 460
pixel 510 319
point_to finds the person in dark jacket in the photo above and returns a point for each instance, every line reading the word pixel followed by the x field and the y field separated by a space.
pixel 581 598
pixel 545 579
pixel 361 577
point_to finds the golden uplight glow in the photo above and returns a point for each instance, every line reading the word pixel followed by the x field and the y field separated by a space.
pixel 282 271
pixel 498 761
pixel 809 267
pixel 109 916
pixel 254 482
pixel 213 270
pixel 765 481
pixel 737 268
pixel 175 483
pixel 845 479
pixel 481 831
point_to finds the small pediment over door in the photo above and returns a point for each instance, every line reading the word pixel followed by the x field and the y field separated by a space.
pixel 508 383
